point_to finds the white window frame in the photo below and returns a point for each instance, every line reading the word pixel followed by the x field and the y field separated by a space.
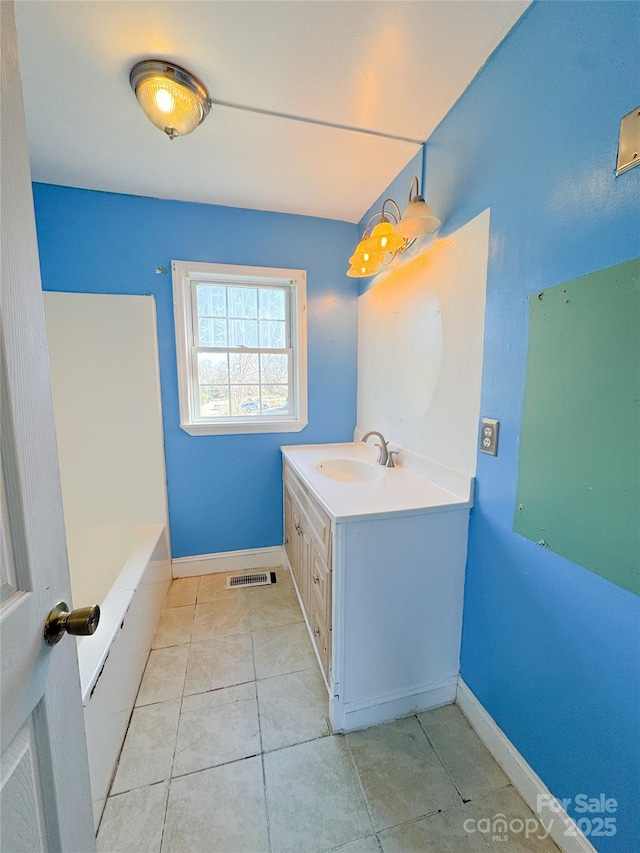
pixel 185 275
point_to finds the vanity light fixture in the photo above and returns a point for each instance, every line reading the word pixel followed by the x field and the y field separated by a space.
pixel 418 218
pixel 172 98
pixel 392 233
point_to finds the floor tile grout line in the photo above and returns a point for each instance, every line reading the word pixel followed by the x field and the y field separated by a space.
pixel 164 817
pixel 255 681
pixel 314 666
pixel 360 785
pixel 264 775
pixel 218 689
pixel 175 744
pixel 344 846
pixel 418 818
pixel 216 766
pixel 440 759
pixel 139 788
pixel 178 607
pixel 297 743
pixel 266 802
pixel 292 672
pixel 173 758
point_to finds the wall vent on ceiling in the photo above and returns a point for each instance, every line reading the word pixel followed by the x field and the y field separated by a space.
pixel 253 579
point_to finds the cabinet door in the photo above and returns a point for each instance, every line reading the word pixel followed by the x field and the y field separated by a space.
pixel 308 546
pixel 289 531
pixel 304 543
pixel 293 538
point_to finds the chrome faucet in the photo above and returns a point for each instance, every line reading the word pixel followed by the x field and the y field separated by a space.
pixel 383 455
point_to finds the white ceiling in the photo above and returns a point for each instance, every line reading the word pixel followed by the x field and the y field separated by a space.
pixel 387 67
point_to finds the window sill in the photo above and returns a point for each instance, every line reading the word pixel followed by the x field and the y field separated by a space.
pixel 244 428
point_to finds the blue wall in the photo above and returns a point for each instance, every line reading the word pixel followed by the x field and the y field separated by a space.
pixel 550 649
pixel 225 492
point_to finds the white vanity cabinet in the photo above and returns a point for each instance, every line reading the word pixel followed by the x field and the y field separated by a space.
pixel 379 570
pixel 308 545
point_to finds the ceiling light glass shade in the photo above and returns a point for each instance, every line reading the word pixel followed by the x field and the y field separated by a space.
pixel 172 98
pixel 417 220
pixel 363 270
pixel 383 239
pixel 361 257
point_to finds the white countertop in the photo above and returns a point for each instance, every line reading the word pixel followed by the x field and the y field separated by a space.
pixel 398 491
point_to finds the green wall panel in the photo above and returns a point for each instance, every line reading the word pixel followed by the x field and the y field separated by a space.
pixel 579 464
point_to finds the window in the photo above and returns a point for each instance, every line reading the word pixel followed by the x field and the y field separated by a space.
pixel 241 346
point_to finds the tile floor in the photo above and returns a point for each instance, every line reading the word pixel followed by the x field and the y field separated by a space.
pixel 229 749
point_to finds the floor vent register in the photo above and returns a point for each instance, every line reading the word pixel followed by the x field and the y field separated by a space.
pixel 252 579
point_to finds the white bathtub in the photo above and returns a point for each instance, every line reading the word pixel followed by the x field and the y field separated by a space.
pixel 127 571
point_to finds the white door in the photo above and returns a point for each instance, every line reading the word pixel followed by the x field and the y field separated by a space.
pixel 45 798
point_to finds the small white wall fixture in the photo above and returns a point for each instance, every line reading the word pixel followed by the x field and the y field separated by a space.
pixel 420 343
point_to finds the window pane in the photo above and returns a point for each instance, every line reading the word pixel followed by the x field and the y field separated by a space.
pixel 212 333
pixel 245 400
pixel 275 399
pixel 274 368
pixel 212 368
pixel 211 301
pixel 272 304
pixel 243 302
pixel 243 368
pixel 272 334
pixel 214 401
pixel 243 333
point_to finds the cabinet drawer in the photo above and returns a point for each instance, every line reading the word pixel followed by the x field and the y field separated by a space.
pixel 314 519
pixel 322 639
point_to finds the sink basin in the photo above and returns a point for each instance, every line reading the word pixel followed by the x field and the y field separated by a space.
pixel 349 470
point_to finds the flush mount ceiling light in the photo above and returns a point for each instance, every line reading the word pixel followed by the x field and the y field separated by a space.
pixel 392 233
pixel 172 98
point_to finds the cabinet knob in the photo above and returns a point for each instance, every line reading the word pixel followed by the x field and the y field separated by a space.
pixel 316 631
pixel 316 579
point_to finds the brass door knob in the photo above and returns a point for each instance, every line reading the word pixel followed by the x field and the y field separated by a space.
pixel 81 622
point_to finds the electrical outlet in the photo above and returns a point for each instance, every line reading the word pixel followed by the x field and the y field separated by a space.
pixel 489 436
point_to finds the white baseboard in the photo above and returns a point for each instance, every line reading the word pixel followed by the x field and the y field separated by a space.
pixel 529 785
pixel 228 561
pixel 393 706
